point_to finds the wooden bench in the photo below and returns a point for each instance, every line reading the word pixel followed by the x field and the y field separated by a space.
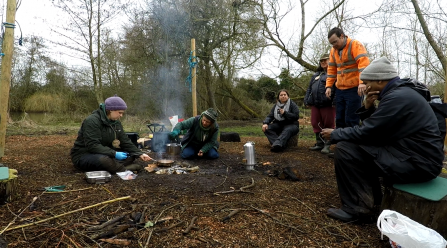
pixel 425 203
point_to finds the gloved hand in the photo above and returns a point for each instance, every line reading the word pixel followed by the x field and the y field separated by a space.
pixel 173 135
pixel 120 155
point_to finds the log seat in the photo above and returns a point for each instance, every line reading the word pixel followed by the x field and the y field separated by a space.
pixel 425 202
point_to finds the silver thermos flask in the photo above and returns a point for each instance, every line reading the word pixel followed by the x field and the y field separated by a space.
pixel 249 149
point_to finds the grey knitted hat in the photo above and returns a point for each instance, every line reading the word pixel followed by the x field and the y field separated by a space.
pixel 379 69
pixel 115 103
pixel 210 114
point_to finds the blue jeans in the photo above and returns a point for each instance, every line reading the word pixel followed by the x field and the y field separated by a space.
pixel 191 151
pixel 347 102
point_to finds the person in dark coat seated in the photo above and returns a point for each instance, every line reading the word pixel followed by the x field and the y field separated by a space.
pixel 282 122
pixel 102 143
pixel 399 141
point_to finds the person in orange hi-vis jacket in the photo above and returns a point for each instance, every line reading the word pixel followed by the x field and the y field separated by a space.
pixel 347 60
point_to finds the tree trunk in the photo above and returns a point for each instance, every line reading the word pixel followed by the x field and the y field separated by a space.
pixel 208 83
pixel 98 52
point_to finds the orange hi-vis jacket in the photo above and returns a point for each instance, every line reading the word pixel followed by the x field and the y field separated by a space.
pixel 347 68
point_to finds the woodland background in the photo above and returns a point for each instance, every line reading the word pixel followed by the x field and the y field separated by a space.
pixel 145 58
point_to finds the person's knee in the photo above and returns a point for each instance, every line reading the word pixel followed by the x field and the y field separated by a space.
pixel 212 154
pixel 187 153
pixel 346 150
pixel 111 165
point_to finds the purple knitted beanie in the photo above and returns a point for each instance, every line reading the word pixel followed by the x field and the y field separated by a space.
pixel 115 103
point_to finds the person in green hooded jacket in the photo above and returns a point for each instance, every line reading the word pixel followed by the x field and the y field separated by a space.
pixel 201 138
pixel 102 143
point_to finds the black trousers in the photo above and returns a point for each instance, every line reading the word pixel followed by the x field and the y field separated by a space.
pixel 97 162
pixel 357 179
pixel 278 134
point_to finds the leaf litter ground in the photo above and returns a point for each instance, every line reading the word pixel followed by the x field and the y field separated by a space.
pixel 178 210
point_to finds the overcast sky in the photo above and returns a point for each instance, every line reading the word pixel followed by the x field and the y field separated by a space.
pixel 36 16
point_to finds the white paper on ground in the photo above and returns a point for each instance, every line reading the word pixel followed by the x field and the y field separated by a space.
pixel 127 175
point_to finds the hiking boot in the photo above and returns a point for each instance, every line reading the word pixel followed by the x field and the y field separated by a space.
pixel 316 147
pixel 276 148
pixel 319 145
pixel 326 149
pixel 339 214
pixel 331 155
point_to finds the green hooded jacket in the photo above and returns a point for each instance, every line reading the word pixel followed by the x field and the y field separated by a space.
pixel 208 136
pixel 96 135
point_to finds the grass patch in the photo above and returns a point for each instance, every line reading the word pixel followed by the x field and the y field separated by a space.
pixel 69 125
pixel 248 128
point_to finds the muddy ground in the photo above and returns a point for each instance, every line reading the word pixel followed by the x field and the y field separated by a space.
pixel 269 212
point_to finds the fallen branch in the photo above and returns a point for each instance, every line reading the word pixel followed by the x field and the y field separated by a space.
pixel 107 223
pixel 225 176
pixel 240 190
pixel 169 227
pixel 142 215
pixel 71 212
pixel 191 226
pixel 303 204
pixel 113 232
pixel 248 186
pixel 209 203
pixel 116 241
pixel 277 220
pixel 156 219
pixel 17 216
pixel 231 214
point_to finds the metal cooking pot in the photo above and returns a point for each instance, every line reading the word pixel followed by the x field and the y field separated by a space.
pixel 173 148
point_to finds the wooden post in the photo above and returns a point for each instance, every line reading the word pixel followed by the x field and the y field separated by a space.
pixel 193 78
pixel 445 100
pixel 5 77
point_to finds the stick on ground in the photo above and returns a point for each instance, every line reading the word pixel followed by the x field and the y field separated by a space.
pixel 231 214
pixel 190 226
pixel 71 212
pixel 107 223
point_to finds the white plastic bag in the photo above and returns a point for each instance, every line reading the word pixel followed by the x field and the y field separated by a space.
pixel 127 175
pixel 407 232
pixel 174 121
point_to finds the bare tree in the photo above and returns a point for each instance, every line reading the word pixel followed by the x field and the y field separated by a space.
pixel 442 58
pixel 82 33
pixel 271 17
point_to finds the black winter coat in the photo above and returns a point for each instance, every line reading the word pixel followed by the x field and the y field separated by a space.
pixel 316 92
pixel 440 110
pixel 96 136
pixel 290 117
pixel 402 134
